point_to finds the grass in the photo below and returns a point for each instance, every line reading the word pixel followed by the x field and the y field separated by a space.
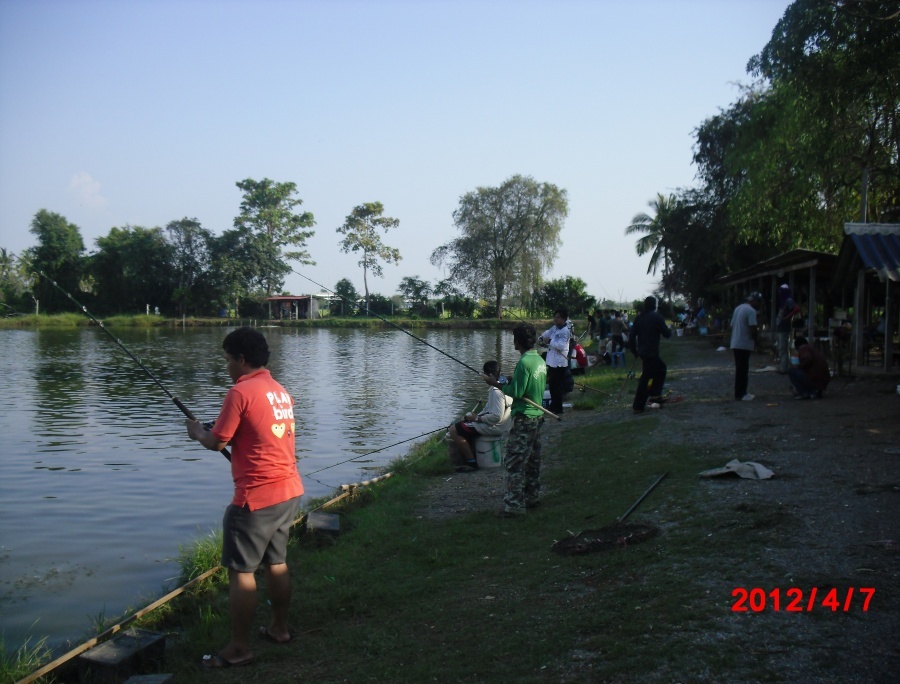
pixel 199 556
pixel 23 661
pixel 64 320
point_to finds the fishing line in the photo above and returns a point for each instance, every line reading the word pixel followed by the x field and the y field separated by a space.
pixel 424 434
pixel 176 400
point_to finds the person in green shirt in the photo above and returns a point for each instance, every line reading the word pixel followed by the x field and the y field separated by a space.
pixel 522 459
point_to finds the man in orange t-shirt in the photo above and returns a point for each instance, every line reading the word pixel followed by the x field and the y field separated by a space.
pixel 257 419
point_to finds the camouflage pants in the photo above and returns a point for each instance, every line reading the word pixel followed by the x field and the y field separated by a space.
pixel 522 461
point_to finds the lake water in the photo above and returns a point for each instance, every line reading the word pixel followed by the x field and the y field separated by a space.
pixel 100 485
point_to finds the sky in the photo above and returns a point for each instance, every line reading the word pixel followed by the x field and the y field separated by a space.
pixel 139 113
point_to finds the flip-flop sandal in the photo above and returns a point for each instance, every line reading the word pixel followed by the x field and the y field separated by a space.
pixel 217 662
pixel 264 634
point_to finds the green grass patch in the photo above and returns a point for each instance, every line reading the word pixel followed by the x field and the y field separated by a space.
pixel 18 664
pixel 63 320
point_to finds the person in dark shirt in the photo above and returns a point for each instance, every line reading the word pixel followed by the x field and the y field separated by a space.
pixel 811 376
pixel 648 327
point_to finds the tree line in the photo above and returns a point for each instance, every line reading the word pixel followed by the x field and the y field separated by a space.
pixel 508 238
pixel 813 143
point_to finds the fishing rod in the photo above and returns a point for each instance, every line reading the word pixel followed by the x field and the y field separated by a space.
pixel 184 409
pixel 449 356
pixel 628 376
pixel 391 323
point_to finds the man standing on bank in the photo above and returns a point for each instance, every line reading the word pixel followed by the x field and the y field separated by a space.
pixel 557 340
pixel 743 342
pixel 648 327
pixel 522 459
pixel 257 419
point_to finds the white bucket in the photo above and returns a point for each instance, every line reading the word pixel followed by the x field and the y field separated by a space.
pixel 679 332
pixel 488 452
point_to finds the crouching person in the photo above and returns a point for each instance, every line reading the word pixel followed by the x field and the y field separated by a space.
pixel 492 423
pixel 811 376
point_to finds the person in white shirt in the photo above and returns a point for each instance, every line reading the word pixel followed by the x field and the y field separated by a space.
pixel 494 420
pixel 556 339
pixel 743 342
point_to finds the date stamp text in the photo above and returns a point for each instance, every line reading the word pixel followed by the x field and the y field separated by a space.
pixel 796 600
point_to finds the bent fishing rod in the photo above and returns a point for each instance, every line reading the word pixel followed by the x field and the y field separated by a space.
pixel 184 409
pixel 391 323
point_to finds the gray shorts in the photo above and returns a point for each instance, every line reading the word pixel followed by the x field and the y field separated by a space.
pixel 254 538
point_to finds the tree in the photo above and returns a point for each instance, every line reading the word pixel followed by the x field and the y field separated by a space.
pixel 190 260
pixel 454 302
pixel 132 269
pixel 842 59
pixel 416 291
pixel 58 254
pixel 15 283
pixel 348 296
pixel 238 267
pixel 269 211
pixel 568 292
pixel 381 305
pixel 654 239
pixel 509 236
pixel 360 231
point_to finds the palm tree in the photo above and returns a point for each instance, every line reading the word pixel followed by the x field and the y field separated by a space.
pixel 7 261
pixel 654 241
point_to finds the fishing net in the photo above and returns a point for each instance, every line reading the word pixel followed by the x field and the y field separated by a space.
pixel 618 535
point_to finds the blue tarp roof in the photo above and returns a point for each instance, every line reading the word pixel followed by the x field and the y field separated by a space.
pixel 878 246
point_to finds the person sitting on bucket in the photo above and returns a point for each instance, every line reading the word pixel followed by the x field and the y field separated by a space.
pixel 811 376
pixel 494 421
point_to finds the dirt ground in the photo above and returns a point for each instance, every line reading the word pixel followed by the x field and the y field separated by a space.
pixel 837 475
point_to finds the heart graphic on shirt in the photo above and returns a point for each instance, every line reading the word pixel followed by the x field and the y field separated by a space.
pixel 278 430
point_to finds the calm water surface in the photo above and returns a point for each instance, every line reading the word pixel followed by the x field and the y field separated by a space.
pixel 100 485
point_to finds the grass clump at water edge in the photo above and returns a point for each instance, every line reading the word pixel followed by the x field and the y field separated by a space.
pixel 14 665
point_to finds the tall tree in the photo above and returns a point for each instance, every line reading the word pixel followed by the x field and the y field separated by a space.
pixel 416 291
pixel 360 231
pixel 568 291
pixel 508 233
pixel 238 267
pixel 190 260
pixel 269 210
pixel 15 282
pixel 132 269
pixel 59 253
pixel 842 59
pixel 655 240
pixel 346 304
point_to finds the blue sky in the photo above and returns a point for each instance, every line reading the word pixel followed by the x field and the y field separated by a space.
pixel 141 112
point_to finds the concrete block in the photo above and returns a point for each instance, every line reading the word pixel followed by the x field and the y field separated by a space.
pixel 324 523
pixel 132 652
